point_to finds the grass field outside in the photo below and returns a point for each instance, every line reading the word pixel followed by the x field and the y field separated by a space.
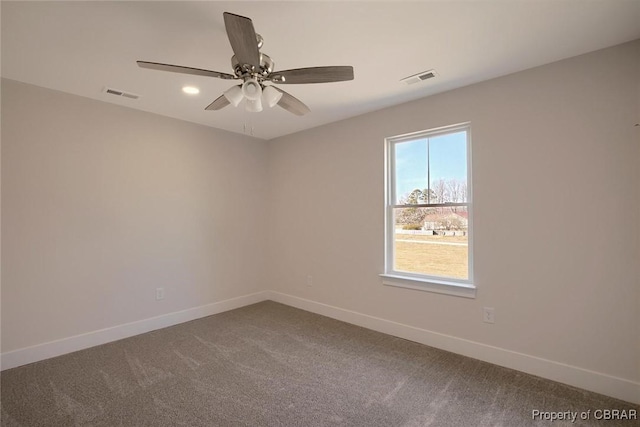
pixel 445 256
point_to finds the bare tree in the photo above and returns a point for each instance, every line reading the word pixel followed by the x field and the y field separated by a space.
pixel 439 189
pixel 454 189
pixel 449 191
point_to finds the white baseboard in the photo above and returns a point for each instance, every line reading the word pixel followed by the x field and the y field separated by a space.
pixel 50 349
pixel 597 382
pixel 619 388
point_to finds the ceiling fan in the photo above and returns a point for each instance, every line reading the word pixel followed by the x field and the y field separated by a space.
pixel 255 69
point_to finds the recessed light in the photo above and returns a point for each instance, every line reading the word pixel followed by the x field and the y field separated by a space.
pixel 191 90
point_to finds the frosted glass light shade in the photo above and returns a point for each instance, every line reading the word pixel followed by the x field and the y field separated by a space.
pixel 271 95
pixel 251 90
pixel 234 95
pixel 254 106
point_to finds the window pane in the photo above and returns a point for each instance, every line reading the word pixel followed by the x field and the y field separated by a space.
pixel 411 171
pixel 432 241
pixel 448 167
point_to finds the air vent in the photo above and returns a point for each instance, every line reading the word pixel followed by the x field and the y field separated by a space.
pixel 118 92
pixel 416 78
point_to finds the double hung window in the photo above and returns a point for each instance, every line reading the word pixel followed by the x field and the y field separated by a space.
pixel 428 211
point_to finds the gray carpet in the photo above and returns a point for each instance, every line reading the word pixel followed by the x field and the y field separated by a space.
pixel 273 365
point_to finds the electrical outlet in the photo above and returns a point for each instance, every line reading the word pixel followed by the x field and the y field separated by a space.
pixel 488 315
pixel 159 294
pixel 309 281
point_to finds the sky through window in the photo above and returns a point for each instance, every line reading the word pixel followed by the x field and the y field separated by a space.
pixel 447 160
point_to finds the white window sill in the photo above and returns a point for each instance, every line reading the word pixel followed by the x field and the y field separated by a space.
pixel 430 285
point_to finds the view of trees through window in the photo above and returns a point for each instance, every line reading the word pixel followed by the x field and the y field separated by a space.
pixel 430 209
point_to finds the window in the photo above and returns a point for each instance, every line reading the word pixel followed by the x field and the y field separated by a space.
pixel 428 211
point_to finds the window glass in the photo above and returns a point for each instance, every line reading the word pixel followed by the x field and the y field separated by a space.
pixel 429 210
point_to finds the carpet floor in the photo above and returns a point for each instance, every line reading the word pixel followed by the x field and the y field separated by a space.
pixel 272 365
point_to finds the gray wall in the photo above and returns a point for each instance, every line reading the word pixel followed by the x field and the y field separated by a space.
pixel 102 204
pixel 555 177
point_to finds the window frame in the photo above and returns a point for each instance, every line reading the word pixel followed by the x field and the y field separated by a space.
pixel 438 284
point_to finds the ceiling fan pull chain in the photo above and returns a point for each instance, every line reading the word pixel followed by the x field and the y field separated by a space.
pixel 247 128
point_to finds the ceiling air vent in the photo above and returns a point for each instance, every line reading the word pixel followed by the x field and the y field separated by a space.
pixel 416 78
pixel 118 92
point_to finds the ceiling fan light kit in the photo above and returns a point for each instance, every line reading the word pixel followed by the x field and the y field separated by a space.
pixel 255 68
pixel 234 95
pixel 253 105
pixel 251 89
pixel 271 96
pixel 255 95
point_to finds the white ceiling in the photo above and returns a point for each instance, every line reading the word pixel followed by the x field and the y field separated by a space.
pixel 81 47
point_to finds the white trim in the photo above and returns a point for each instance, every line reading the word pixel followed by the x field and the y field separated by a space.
pixel 423 284
pixel 598 382
pixel 59 347
pixel 424 281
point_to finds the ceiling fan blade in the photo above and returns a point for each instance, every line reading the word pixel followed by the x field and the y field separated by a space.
pixel 218 104
pixel 313 75
pixel 242 37
pixel 292 104
pixel 184 70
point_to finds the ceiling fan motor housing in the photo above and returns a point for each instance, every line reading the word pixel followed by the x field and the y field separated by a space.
pixel 245 71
